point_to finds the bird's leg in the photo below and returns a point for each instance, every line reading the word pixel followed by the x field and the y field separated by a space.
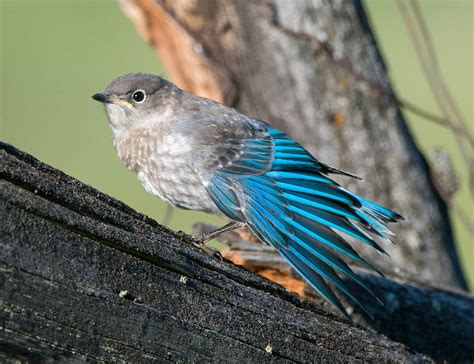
pixel 202 238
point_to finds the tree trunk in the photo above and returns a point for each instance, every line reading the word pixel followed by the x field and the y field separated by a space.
pixel 313 70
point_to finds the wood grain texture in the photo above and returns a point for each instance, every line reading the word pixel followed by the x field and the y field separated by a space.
pixel 436 321
pixel 67 252
pixel 312 69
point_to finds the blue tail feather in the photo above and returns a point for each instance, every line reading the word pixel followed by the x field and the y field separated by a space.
pixel 225 198
pixel 260 224
pixel 331 259
pixel 324 270
pixel 331 221
pixel 316 190
pixel 378 211
pixel 314 280
pixel 290 149
pixel 322 204
pixel 325 237
pixel 294 157
pixel 298 176
pixel 266 210
pixel 299 237
pixel 309 220
pixel 321 255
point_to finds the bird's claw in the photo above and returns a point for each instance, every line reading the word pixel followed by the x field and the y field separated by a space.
pixel 199 242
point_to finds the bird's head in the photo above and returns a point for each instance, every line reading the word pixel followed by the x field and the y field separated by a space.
pixel 138 100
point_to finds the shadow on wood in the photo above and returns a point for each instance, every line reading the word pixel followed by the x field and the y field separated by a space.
pixel 84 277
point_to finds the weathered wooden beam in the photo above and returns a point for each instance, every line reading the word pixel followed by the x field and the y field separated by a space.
pixel 436 321
pixel 84 277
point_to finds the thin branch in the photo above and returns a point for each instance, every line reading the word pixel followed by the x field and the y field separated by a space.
pixel 429 116
pixel 464 218
pixel 435 64
pixel 433 79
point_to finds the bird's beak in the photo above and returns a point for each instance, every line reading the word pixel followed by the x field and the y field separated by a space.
pixel 102 97
pixel 106 98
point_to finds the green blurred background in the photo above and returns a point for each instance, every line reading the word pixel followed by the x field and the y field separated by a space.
pixel 55 54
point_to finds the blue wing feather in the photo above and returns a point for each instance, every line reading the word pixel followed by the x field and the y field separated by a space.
pixel 286 199
pixel 314 279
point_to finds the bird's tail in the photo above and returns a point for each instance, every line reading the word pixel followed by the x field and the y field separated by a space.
pixel 301 214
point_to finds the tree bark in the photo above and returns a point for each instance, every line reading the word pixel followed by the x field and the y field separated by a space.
pixel 397 319
pixel 313 70
pixel 85 278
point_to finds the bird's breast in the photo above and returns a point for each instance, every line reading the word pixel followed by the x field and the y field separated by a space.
pixel 163 166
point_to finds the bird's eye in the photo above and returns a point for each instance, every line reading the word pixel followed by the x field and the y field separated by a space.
pixel 139 96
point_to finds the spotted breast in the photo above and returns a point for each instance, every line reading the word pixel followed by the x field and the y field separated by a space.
pixel 161 161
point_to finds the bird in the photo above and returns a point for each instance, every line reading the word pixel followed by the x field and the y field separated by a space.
pixel 197 154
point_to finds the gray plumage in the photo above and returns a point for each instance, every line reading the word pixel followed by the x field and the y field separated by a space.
pixel 174 140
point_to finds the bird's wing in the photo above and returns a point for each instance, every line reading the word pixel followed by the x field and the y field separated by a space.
pixel 275 186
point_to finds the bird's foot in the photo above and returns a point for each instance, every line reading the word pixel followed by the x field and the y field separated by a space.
pixel 199 241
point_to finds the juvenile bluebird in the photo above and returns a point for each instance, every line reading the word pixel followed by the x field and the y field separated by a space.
pixel 197 154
